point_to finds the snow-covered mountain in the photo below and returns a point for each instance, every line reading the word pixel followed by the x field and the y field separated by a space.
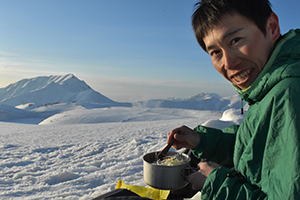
pixel 50 90
pixel 197 97
pixel 66 98
pixel 45 90
pixel 202 101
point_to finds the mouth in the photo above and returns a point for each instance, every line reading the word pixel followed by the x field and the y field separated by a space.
pixel 242 77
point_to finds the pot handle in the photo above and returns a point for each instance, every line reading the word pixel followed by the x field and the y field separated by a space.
pixel 188 171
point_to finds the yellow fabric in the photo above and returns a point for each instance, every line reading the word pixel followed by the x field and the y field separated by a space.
pixel 147 192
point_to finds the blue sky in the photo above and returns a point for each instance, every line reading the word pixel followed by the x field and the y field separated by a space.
pixel 127 50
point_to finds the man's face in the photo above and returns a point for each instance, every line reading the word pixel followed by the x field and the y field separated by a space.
pixel 238 49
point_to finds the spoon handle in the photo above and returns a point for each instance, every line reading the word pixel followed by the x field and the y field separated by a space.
pixel 164 152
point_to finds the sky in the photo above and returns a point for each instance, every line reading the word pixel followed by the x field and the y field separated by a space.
pixel 127 50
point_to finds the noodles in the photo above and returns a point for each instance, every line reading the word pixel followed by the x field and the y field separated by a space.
pixel 172 160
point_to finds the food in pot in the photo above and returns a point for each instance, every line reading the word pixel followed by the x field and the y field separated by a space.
pixel 165 177
pixel 172 160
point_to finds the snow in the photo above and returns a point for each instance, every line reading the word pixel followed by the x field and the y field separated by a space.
pixel 60 139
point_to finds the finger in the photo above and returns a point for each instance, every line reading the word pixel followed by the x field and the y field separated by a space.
pixel 190 140
pixel 172 133
pixel 205 168
pixel 177 146
pixel 180 137
pixel 213 164
pixel 170 137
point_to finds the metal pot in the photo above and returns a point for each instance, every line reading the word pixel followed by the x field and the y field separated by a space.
pixel 165 177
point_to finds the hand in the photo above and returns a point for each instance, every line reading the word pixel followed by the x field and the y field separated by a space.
pixel 198 179
pixel 184 137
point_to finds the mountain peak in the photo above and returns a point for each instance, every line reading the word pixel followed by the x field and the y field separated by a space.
pixel 50 89
pixel 203 95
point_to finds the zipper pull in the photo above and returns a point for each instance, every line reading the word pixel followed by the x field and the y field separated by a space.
pixel 242 106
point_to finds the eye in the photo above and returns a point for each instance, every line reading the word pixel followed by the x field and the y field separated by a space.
pixel 234 41
pixel 214 53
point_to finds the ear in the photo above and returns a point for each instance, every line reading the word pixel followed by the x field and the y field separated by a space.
pixel 272 27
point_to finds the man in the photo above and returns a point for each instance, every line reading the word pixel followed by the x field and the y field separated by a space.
pixel 260 159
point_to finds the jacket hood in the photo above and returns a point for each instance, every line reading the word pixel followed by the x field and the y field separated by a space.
pixel 281 65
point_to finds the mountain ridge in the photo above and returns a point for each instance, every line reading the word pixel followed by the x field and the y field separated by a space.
pixel 43 90
pixel 65 97
pixel 28 94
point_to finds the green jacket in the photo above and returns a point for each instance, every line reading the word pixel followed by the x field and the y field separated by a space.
pixel 265 149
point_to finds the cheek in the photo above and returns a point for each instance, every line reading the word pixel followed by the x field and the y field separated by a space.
pixel 220 69
pixel 257 53
pixel 217 65
pixel 249 49
pixel 217 68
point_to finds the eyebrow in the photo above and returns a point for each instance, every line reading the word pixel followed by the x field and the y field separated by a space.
pixel 231 33
pixel 225 36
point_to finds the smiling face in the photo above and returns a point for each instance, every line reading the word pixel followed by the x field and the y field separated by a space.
pixel 239 50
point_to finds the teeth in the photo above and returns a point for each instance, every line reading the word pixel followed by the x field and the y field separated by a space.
pixel 243 75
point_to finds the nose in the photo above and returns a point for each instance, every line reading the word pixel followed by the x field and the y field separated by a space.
pixel 230 60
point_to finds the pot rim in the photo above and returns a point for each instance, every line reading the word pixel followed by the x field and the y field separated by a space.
pixel 188 159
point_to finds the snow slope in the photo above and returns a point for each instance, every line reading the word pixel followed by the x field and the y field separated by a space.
pixel 80 149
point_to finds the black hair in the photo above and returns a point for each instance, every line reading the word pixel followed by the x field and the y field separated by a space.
pixel 208 13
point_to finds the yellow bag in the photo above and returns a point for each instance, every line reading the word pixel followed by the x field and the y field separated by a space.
pixel 147 192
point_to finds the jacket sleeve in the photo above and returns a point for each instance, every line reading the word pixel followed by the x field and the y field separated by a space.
pixel 225 184
pixel 216 145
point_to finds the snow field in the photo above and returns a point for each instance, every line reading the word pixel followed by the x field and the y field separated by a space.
pixel 78 161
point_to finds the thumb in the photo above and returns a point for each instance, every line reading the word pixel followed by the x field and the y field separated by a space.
pixel 189 141
pixel 180 137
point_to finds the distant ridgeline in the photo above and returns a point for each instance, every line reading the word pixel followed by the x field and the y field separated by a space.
pixel 47 90
pixel 52 90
